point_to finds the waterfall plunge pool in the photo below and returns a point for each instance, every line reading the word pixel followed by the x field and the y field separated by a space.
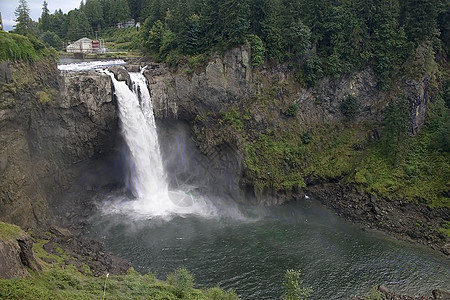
pixel 251 250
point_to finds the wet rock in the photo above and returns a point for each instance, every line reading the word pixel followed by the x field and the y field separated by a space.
pixel 396 218
pixel 441 295
pixel 446 248
pixel 121 74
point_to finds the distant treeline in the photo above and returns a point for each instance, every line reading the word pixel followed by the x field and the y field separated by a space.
pixel 329 37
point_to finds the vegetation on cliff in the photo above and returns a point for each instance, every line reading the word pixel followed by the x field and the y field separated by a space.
pixel 9 231
pixel 14 47
pixel 64 276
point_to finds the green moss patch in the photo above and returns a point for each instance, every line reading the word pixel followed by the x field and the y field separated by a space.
pixel 9 231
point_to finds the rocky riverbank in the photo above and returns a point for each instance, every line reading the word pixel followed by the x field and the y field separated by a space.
pixel 407 221
pixel 384 293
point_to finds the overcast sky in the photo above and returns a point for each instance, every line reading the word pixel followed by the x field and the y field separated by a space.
pixel 7 8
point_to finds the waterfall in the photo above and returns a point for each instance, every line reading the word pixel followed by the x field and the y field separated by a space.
pixel 148 181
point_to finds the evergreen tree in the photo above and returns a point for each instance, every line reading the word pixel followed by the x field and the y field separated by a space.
pixel 94 13
pixel 78 25
pixel 234 21
pixel 44 20
pixel 389 43
pixel 120 12
pixel 419 17
pixel 135 9
pixel 58 23
pixel 24 24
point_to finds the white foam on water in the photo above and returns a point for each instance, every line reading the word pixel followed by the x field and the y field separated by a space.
pixel 148 178
pixel 91 65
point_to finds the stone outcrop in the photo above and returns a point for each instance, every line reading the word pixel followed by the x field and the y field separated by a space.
pixel 230 80
pixel 57 134
pixel 225 81
pixel 15 255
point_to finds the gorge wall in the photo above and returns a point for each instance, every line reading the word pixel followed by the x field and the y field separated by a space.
pixel 261 131
pixel 57 134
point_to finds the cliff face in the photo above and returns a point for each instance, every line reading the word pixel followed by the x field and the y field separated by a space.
pixel 60 131
pixel 56 132
pixel 231 103
pixel 225 81
pixel 229 81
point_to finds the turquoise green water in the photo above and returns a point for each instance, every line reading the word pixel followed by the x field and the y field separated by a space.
pixel 250 248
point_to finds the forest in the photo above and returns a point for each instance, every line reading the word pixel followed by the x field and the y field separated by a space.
pixel 324 38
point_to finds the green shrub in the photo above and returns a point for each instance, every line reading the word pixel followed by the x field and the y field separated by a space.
pixel 374 294
pixel 258 49
pixel 293 286
pixel 306 138
pixel 349 107
pixel 292 110
pixel 233 118
pixel 182 281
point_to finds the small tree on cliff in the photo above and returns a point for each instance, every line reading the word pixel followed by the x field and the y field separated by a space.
pixel 293 286
pixel 24 24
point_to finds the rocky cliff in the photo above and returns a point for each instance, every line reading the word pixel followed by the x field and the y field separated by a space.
pixel 288 138
pixel 57 132
pixel 16 252
pixel 264 133
pixel 229 81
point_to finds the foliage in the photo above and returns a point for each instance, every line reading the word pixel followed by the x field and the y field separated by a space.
pixel 274 162
pixel 122 39
pixel 313 70
pixel 258 49
pixel 445 228
pixel 24 25
pixel 62 281
pixel 325 38
pixel 182 281
pixel 306 138
pixel 17 47
pixel 349 107
pixel 52 39
pixel 292 110
pixel 374 294
pixel 9 231
pixel 395 129
pixel 293 286
pixel 413 168
pixel 233 118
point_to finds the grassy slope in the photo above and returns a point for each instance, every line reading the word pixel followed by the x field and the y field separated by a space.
pixel 15 47
pixel 9 231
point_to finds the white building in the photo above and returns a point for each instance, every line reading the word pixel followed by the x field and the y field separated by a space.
pixel 83 45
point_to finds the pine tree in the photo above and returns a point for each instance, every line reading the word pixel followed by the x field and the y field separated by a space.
pixel 44 20
pixel 24 24
pixel 235 24
pixel 94 12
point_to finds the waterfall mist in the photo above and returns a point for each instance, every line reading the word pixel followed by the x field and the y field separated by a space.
pixel 148 182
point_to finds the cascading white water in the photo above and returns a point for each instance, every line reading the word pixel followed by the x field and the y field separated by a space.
pixel 148 179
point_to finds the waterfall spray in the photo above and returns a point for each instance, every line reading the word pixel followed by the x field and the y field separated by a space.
pixel 148 179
